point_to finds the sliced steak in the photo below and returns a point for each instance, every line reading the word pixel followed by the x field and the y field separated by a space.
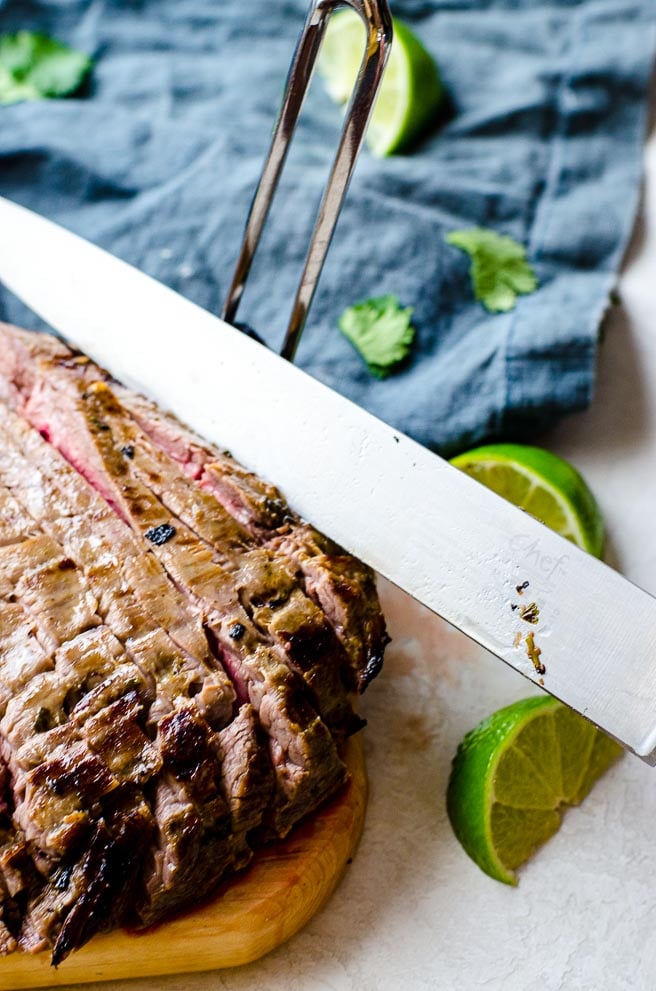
pixel 247 773
pixel 341 585
pixel 176 650
pixel 266 587
pixel 83 421
pixel 66 783
pixel 95 535
pixel 255 504
pixel 193 817
pixel 49 587
pixel 53 745
pixel 90 895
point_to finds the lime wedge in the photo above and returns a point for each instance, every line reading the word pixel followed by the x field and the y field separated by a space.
pixel 411 93
pixel 513 774
pixel 543 484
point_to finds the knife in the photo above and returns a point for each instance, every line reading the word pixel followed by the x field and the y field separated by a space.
pixel 447 540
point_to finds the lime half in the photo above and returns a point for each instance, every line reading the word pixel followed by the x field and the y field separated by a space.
pixel 544 485
pixel 411 93
pixel 513 774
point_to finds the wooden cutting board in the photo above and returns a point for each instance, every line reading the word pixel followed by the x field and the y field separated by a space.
pixel 285 885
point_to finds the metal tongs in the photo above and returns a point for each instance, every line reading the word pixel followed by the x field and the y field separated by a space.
pixel 378 23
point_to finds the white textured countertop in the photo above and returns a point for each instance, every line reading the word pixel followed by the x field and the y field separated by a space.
pixel 413 911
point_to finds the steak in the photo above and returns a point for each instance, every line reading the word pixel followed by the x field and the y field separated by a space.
pixel 178 656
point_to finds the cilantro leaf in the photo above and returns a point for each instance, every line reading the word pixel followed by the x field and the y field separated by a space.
pixel 380 330
pixel 34 67
pixel 499 269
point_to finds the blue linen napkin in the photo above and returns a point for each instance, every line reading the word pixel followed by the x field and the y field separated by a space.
pixel 158 162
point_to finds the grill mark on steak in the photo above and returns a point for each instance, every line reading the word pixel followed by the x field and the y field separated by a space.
pixel 342 586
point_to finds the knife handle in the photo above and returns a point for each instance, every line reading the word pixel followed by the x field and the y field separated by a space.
pixel 378 22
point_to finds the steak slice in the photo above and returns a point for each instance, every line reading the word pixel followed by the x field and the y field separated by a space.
pixel 193 849
pixel 193 817
pixel 82 898
pixel 21 655
pixel 345 589
pixel 66 783
pixel 55 748
pixel 247 773
pixel 48 586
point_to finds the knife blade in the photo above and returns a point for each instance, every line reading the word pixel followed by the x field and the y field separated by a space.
pixel 447 540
